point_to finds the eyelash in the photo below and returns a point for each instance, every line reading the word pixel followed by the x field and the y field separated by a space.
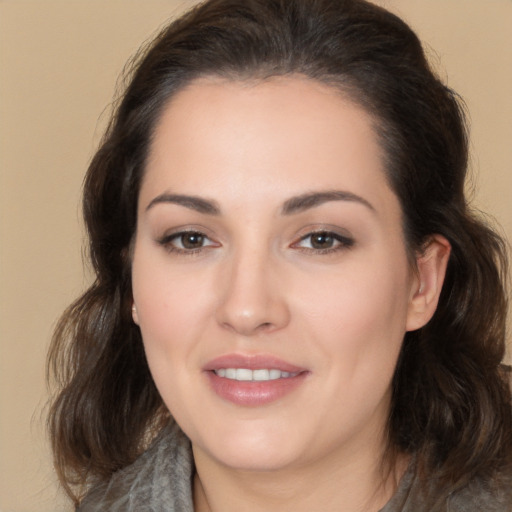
pixel 167 242
pixel 341 242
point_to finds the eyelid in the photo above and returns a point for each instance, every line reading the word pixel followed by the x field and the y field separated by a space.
pixel 343 241
pixel 167 239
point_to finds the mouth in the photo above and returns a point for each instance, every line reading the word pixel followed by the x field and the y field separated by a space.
pixel 253 380
pixel 259 375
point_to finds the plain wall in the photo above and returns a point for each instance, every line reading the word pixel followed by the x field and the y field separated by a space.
pixel 59 60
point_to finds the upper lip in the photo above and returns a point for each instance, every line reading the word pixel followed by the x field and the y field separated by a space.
pixel 251 362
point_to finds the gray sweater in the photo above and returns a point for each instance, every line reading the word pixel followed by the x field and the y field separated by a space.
pixel 160 480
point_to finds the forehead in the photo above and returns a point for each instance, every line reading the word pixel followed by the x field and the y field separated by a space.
pixel 263 139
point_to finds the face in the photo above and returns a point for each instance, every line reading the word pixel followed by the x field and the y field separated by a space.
pixel 270 274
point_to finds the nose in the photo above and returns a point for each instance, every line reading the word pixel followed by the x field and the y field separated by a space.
pixel 252 299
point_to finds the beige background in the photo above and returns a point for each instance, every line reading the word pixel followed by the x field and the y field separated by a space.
pixel 58 62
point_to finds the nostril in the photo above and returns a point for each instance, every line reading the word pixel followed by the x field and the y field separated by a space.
pixel 248 329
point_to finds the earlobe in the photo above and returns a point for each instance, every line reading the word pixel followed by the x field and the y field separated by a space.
pixel 431 269
pixel 135 315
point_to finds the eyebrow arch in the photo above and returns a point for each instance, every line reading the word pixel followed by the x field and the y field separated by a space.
pixel 313 199
pixel 192 202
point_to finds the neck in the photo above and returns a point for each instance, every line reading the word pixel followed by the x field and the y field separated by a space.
pixel 360 485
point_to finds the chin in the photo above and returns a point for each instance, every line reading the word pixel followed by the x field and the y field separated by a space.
pixel 252 449
pixel 260 460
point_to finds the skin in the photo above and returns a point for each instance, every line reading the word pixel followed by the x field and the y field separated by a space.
pixel 258 283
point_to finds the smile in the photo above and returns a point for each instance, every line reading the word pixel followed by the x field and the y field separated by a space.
pixel 259 375
pixel 253 380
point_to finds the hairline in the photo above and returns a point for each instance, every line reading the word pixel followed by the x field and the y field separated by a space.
pixel 343 85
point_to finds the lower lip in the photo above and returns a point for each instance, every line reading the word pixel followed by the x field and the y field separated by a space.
pixel 254 393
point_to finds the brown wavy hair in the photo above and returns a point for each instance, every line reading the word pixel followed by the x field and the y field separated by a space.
pixel 451 401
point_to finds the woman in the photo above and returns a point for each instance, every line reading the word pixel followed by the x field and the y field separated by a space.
pixel 294 307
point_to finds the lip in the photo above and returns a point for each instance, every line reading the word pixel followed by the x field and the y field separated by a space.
pixel 251 362
pixel 253 393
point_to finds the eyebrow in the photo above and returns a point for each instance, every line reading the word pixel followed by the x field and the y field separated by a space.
pixel 193 202
pixel 291 206
pixel 313 199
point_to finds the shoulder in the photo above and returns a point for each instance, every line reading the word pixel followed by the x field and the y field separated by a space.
pixel 479 494
pixel 159 480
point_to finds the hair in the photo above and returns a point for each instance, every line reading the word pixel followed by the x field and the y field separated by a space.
pixel 451 404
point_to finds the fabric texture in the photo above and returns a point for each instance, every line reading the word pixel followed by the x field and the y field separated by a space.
pixel 160 480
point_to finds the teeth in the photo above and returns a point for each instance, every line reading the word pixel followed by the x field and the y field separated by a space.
pixel 244 374
pixel 274 374
pixel 260 375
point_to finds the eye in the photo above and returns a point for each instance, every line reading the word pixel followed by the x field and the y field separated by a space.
pixel 190 240
pixel 324 242
pixel 186 241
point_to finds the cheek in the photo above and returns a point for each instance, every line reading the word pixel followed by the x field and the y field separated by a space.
pixel 168 306
pixel 359 315
pixel 165 302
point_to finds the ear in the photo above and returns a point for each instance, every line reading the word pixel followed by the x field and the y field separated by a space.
pixel 135 315
pixel 430 272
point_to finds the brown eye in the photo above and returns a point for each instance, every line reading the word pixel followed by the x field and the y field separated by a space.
pixel 322 241
pixel 186 242
pixel 192 240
